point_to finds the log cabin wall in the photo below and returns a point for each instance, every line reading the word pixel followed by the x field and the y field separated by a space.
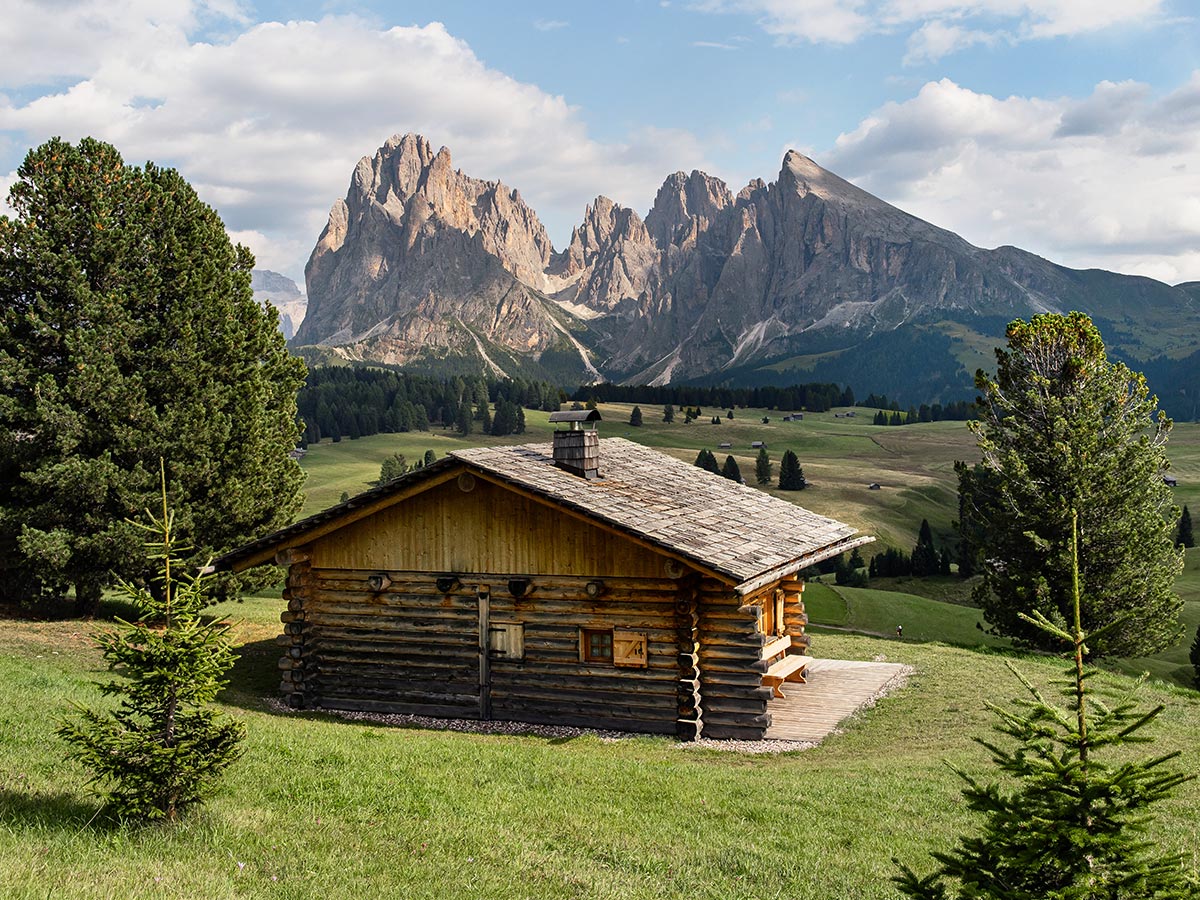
pixel 296 594
pixel 408 648
pixel 731 667
pixel 413 648
pixel 552 684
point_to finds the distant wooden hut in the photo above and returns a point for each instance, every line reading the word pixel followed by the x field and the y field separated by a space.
pixel 585 582
pixel 1170 481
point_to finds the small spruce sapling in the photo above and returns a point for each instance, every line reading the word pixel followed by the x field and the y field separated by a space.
pixel 163 746
pixel 1066 826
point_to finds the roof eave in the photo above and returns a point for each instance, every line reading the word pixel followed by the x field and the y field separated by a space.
pixel 803 562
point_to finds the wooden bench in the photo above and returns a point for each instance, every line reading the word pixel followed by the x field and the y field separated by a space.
pixel 786 668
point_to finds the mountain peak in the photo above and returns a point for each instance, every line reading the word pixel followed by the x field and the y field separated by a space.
pixel 681 199
pixel 807 177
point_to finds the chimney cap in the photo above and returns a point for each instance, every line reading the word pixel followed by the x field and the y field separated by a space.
pixel 575 415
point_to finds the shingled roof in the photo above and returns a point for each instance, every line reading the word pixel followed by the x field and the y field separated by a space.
pixel 732 530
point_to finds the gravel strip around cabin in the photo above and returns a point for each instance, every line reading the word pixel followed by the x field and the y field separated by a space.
pixel 475 726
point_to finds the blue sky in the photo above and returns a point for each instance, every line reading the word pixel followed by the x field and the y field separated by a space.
pixel 1067 127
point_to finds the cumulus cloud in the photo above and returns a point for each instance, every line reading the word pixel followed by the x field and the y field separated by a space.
pixel 1108 180
pixel 936 27
pixel 269 124
pixel 937 38
pixel 42 43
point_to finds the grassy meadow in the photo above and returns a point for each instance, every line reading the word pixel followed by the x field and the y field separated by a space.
pixel 321 807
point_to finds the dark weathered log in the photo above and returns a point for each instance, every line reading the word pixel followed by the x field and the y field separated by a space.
pixel 417 709
pixel 569 702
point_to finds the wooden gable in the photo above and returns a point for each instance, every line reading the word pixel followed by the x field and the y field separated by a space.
pixel 471 525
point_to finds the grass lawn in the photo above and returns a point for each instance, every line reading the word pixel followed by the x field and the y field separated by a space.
pixel 322 808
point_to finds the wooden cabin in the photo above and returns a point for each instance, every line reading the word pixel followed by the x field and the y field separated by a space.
pixel 586 582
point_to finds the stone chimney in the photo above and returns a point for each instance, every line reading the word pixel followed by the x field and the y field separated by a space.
pixel 577 450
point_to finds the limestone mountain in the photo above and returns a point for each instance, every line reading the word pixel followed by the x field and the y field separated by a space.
pixel 421 264
pixel 282 293
pixel 802 278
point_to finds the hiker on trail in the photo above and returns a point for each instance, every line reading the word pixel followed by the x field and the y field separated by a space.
pixel 899 631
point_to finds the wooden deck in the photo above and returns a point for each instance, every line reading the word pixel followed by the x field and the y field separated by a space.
pixel 835 689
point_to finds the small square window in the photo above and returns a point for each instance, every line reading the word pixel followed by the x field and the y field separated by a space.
pixel 597 645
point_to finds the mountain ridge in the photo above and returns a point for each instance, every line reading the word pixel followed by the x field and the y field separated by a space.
pixel 420 259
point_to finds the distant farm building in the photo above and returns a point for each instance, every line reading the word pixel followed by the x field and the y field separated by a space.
pixel 873 486
pixel 758 445
pixel 1170 480
pixel 583 582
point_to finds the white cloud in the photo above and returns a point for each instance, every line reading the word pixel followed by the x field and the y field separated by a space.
pixel 269 125
pixel 937 27
pixel 937 38
pixel 44 42
pixel 1108 180
pixel 549 24
pixel 715 45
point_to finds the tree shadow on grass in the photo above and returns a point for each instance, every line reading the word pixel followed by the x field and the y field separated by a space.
pixel 254 677
pixel 55 811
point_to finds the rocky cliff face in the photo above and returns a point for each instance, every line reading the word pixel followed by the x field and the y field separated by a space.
pixel 421 258
pixel 282 293
pixel 422 262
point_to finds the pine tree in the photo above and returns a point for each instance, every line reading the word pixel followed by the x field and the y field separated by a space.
pixel 729 415
pixel 1183 535
pixel 706 461
pixel 162 748
pixel 762 467
pixel 128 333
pixel 463 422
pixel 483 415
pixel 731 470
pixel 791 476
pixel 1065 825
pixel 635 417
pixel 669 413
pixel 924 556
pixel 430 457
pixel 1061 428
pixel 392 468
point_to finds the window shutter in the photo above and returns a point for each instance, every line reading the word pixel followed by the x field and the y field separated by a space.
pixel 507 640
pixel 629 649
